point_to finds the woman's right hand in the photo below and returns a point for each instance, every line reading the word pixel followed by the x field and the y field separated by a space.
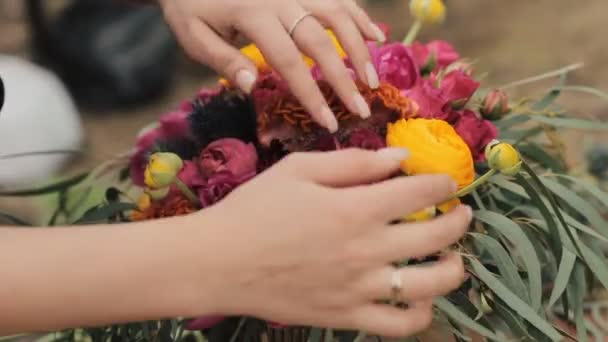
pixel 309 243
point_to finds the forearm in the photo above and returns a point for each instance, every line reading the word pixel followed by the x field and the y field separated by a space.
pixel 85 276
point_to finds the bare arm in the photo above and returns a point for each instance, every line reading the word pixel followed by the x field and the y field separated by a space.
pixel 85 276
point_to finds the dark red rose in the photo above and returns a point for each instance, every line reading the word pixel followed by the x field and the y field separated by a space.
pixel 219 186
pixel 232 155
pixel 326 142
pixel 476 132
pixel 365 139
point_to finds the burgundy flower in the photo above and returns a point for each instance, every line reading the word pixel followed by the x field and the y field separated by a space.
pixel 190 175
pixel 365 139
pixel 476 132
pixel 440 52
pixel 326 142
pixel 458 87
pixel 228 154
pixel 219 186
pixel 204 322
pixel 395 64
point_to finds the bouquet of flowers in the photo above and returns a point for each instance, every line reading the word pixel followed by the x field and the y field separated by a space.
pixel 534 251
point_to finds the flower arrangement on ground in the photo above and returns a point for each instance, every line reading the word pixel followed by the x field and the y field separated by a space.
pixel 538 240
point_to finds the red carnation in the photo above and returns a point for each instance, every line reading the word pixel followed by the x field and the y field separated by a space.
pixel 365 139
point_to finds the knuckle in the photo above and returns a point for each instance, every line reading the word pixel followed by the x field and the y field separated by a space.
pixel 334 8
pixel 288 62
pixel 456 273
pixel 425 318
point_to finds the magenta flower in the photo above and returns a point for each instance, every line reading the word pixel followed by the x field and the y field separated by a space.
pixel 431 101
pixel 458 87
pixel 395 64
pixel 205 322
pixel 441 51
pixel 229 154
pixel 476 132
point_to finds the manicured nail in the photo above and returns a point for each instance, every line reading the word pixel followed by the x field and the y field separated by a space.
pixel 372 76
pixel 245 79
pixel 394 153
pixel 361 106
pixel 469 211
pixel 329 119
pixel 380 36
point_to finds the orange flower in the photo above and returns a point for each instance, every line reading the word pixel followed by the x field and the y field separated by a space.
pixel 176 205
pixel 435 148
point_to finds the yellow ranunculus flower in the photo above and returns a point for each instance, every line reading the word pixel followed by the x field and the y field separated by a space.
pixel 428 11
pixel 253 53
pixel 503 157
pixel 162 170
pixel 422 215
pixel 435 148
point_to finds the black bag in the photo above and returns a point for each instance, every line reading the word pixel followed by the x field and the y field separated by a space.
pixel 110 54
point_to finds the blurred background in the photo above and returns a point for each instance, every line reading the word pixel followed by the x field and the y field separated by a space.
pixel 116 67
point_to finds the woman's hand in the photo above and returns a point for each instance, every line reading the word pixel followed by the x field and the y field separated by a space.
pixel 205 28
pixel 309 243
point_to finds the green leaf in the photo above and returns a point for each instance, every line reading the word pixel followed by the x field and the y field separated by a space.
pixel 575 201
pixel 513 232
pixel 505 265
pixel 105 212
pixel 453 312
pixel 516 136
pixel 566 265
pixel 511 121
pixel 513 321
pixel 540 155
pixel 578 291
pixel 13 220
pixel 596 264
pixel 587 90
pixel 514 302
pixel 56 187
pixel 315 335
pixel 552 95
pixel 572 123
pixel 594 190
pixel 329 335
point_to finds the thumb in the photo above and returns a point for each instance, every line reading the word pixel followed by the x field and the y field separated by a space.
pixel 344 168
pixel 207 47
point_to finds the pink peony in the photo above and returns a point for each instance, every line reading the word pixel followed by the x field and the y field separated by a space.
pixel 476 132
pixel 395 64
pixel 229 154
pixel 365 139
pixel 458 87
pixel 443 53
pixel 205 322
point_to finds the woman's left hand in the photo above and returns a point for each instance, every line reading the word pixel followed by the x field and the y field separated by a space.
pixel 283 30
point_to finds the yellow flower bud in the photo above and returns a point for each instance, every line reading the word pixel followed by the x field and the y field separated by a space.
pixel 428 11
pixel 503 158
pixel 162 170
pixel 157 194
pixel 144 202
pixel 422 215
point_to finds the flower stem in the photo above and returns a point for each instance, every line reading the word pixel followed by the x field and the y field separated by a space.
pixel 413 33
pixel 467 189
pixel 187 192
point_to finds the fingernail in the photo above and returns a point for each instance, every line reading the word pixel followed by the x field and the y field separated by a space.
pixel 394 153
pixel 372 76
pixel 361 106
pixel 329 119
pixel 469 211
pixel 245 79
pixel 380 36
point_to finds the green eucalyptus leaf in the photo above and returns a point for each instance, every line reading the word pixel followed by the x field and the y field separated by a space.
pixel 566 265
pixel 505 265
pixel 455 313
pixel 572 123
pixel 55 187
pixel 513 232
pixel 105 212
pixel 13 220
pixel 594 190
pixel 587 90
pixel 540 155
pixel 575 201
pixel 596 263
pixel 513 321
pixel 577 293
pixel 514 302
pixel 315 335
pixel 552 95
pixel 511 121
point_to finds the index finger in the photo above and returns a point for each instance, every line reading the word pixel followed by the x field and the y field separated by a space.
pixel 281 52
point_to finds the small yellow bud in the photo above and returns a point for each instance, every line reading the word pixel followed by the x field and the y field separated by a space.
pixel 144 202
pixel 159 194
pixel 503 157
pixel 421 215
pixel 428 11
pixel 162 170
